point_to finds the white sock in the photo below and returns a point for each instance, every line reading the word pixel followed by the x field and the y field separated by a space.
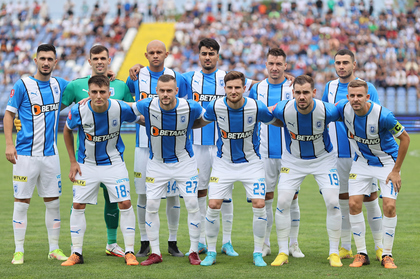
pixel 128 228
pixel 227 219
pixel 203 208
pixel 333 218
pixel 173 210
pixel 141 216
pixel 389 224
pixel 77 229
pixel 153 224
pixel 269 212
pixel 345 224
pixel 20 221
pixel 259 228
pixel 212 228
pixel 194 224
pixel 53 222
pixel 374 216
pixel 283 220
pixel 295 221
pixel 358 227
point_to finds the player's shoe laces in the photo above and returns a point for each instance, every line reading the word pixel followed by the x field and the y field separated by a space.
pixel 388 262
pixel 209 260
pixel 379 252
pixel 227 249
pixel 281 259
pixel 74 258
pixel 17 258
pixel 334 260
pixel 152 259
pixel 173 249
pixel 258 260
pixel 57 254
pixel 114 250
pixel 295 251
pixel 130 259
pixel 360 259
pixel 266 250
pixel 194 258
pixel 345 254
pixel 144 249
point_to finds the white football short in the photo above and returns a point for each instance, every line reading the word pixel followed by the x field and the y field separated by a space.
pixel 225 173
pixel 294 171
pixel 159 174
pixel 44 172
pixel 272 169
pixel 141 157
pixel 114 177
pixel 360 180
pixel 343 169
pixel 204 155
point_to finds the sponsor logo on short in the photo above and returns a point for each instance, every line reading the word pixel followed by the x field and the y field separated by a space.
pixel 214 179
pixel 284 170
pixel 150 180
pixel 352 176
pixel 79 183
pixel 20 178
pixel 137 174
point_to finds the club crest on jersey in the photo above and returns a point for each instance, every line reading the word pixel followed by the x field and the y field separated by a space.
pixel 205 97
pixel 222 82
pixel 183 119
pixel 12 93
pixel 318 124
pixel 55 89
pixel 114 122
pixel 249 119
pixel 242 135
pixel 288 96
pixel 38 109
pixel 144 95
pixel 156 132
pixel 111 89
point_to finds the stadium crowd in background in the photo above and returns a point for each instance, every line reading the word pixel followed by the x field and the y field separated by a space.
pixel 387 41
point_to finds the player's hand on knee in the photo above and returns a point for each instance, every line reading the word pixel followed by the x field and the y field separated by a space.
pixel 18 124
pixel 11 153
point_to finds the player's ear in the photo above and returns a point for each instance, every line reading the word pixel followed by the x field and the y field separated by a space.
pixel 367 97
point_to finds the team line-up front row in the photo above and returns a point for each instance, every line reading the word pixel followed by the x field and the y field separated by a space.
pixel 168 121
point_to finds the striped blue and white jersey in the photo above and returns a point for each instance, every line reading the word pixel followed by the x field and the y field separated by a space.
pixel 334 92
pixel 169 131
pixel 372 135
pixel 272 137
pixel 38 104
pixel 238 138
pixel 306 135
pixel 145 87
pixel 100 142
pixel 204 88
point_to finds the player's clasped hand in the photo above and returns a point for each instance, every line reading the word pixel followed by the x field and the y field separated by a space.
pixel 11 154
pixel 395 178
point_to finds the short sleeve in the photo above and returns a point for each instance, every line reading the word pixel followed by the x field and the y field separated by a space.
pixel 264 114
pixel 209 115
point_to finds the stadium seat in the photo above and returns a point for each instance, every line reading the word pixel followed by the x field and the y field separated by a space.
pixel 390 98
pixel 381 94
pixel 401 101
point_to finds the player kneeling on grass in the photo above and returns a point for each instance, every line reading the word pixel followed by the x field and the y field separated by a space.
pixel 99 160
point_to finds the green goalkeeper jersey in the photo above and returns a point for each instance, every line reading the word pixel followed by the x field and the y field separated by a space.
pixel 78 89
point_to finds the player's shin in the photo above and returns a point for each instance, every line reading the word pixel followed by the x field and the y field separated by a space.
pixel 259 228
pixel 173 210
pixel 389 224
pixel 333 218
pixel 345 225
pixel 269 212
pixel 53 222
pixel 212 224
pixel 77 229
pixel 153 224
pixel 374 216
pixel 227 220
pixel 194 224
pixel 128 228
pixel 203 208
pixel 141 216
pixel 284 200
pixel 20 220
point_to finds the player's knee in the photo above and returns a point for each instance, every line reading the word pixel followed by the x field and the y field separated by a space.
pixel 124 204
pixel 389 207
pixel 355 206
pixel 269 196
pixel 79 205
pixel 152 206
pixel 258 203
pixel 215 204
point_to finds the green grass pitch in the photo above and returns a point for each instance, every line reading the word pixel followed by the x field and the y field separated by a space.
pixel 313 238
